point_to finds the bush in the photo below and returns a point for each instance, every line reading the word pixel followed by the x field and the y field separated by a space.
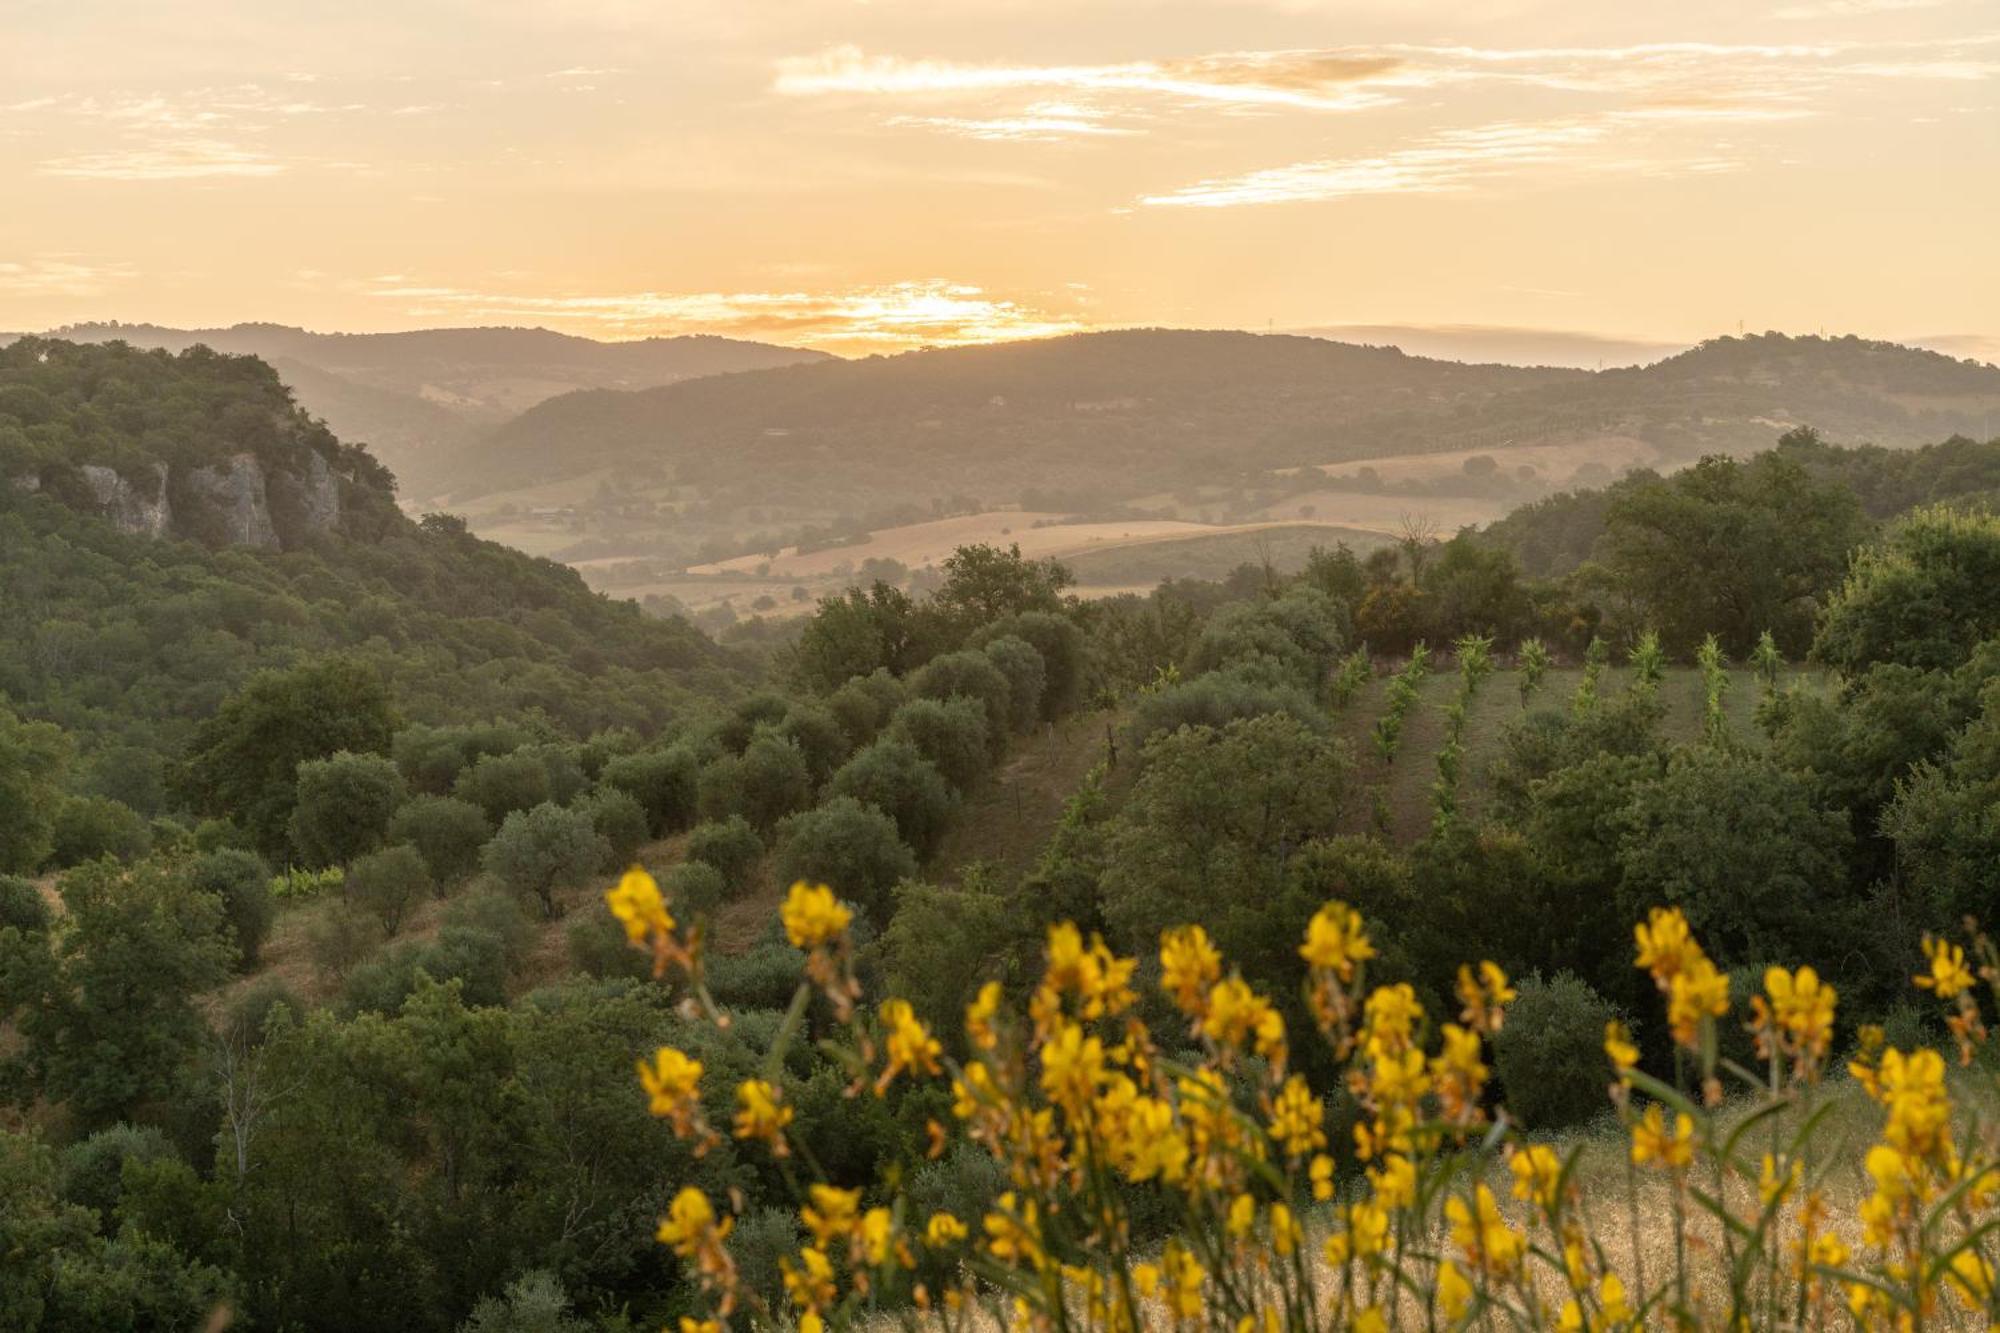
pixel 499 915
pixel 619 821
pixel 896 779
pixel 533 1303
pixel 764 978
pixel 730 845
pixel 598 947
pixel 1215 700
pixel 1550 1055
pixel 475 958
pixel 501 784
pixel 544 851
pixel 338 936
pixel 1061 645
pixel 1022 666
pixel 293 883
pixel 447 832
pixel 344 806
pixel 93 1170
pixel 22 905
pixel 972 676
pixel 88 827
pixel 243 882
pixel 663 782
pixel 951 733
pixel 387 884
pixel 765 783
pixel 819 736
pixel 851 846
pixel 864 705
pixel 696 888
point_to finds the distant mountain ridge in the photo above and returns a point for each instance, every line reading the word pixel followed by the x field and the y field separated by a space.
pixel 1159 408
pixel 404 393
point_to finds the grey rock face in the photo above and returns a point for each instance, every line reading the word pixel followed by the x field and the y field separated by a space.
pixel 126 505
pixel 237 490
pixel 319 490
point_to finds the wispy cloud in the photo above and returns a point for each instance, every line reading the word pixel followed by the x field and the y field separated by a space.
pixel 1043 122
pixel 1451 160
pixel 59 275
pixel 184 159
pixel 874 318
pixel 1316 80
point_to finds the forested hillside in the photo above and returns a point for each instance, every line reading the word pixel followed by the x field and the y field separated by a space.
pixel 135 605
pixel 314 1011
pixel 406 394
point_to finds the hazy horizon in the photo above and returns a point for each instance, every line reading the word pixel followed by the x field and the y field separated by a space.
pixel 872 177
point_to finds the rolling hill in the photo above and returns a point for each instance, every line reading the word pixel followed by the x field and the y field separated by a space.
pixel 404 393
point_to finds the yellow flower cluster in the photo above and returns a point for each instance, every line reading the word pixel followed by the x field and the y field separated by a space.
pixel 1084 1113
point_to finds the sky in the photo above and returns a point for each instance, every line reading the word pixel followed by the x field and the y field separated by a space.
pixel 870 175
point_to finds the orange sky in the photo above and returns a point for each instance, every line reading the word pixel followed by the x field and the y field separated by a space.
pixel 866 175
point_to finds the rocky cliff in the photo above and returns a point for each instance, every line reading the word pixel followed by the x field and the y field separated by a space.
pixel 238 501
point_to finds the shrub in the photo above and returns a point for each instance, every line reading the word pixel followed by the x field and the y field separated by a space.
pixel 344 806
pixel 864 705
pixel 619 821
pixel 387 884
pixel 501 784
pixel 819 736
pixel 88 827
pixel 338 936
pixel 895 778
pixel 663 782
pixel 497 914
pixel 972 676
pixel 1550 1055
pixel 293 883
pixel 845 843
pixel 1026 677
pixel 951 733
pixel 243 882
pixel 765 783
pixel 475 958
pixel 598 947
pixel 93 1170
pixel 1215 700
pixel 764 978
pixel 695 888
pixel 543 852
pixel 730 845
pixel 533 1303
pixel 447 832
pixel 22 905
pixel 1059 641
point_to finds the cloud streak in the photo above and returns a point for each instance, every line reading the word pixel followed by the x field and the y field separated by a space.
pixel 884 317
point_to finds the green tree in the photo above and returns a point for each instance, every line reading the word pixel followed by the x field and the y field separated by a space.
pixel 982 583
pixel 343 807
pixel 951 733
pixel 855 848
pixel 733 846
pixel 969 675
pixel 242 883
pixel 1213 819
pixel 895 778
pixel 107 1008
pixel 1021 664
pixel 243 764
pixel 388 884
pixel 1922 596
pixel 32 758
pixel 1063 649
pixel 447 832
pixel 544 852
pixel 664 783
